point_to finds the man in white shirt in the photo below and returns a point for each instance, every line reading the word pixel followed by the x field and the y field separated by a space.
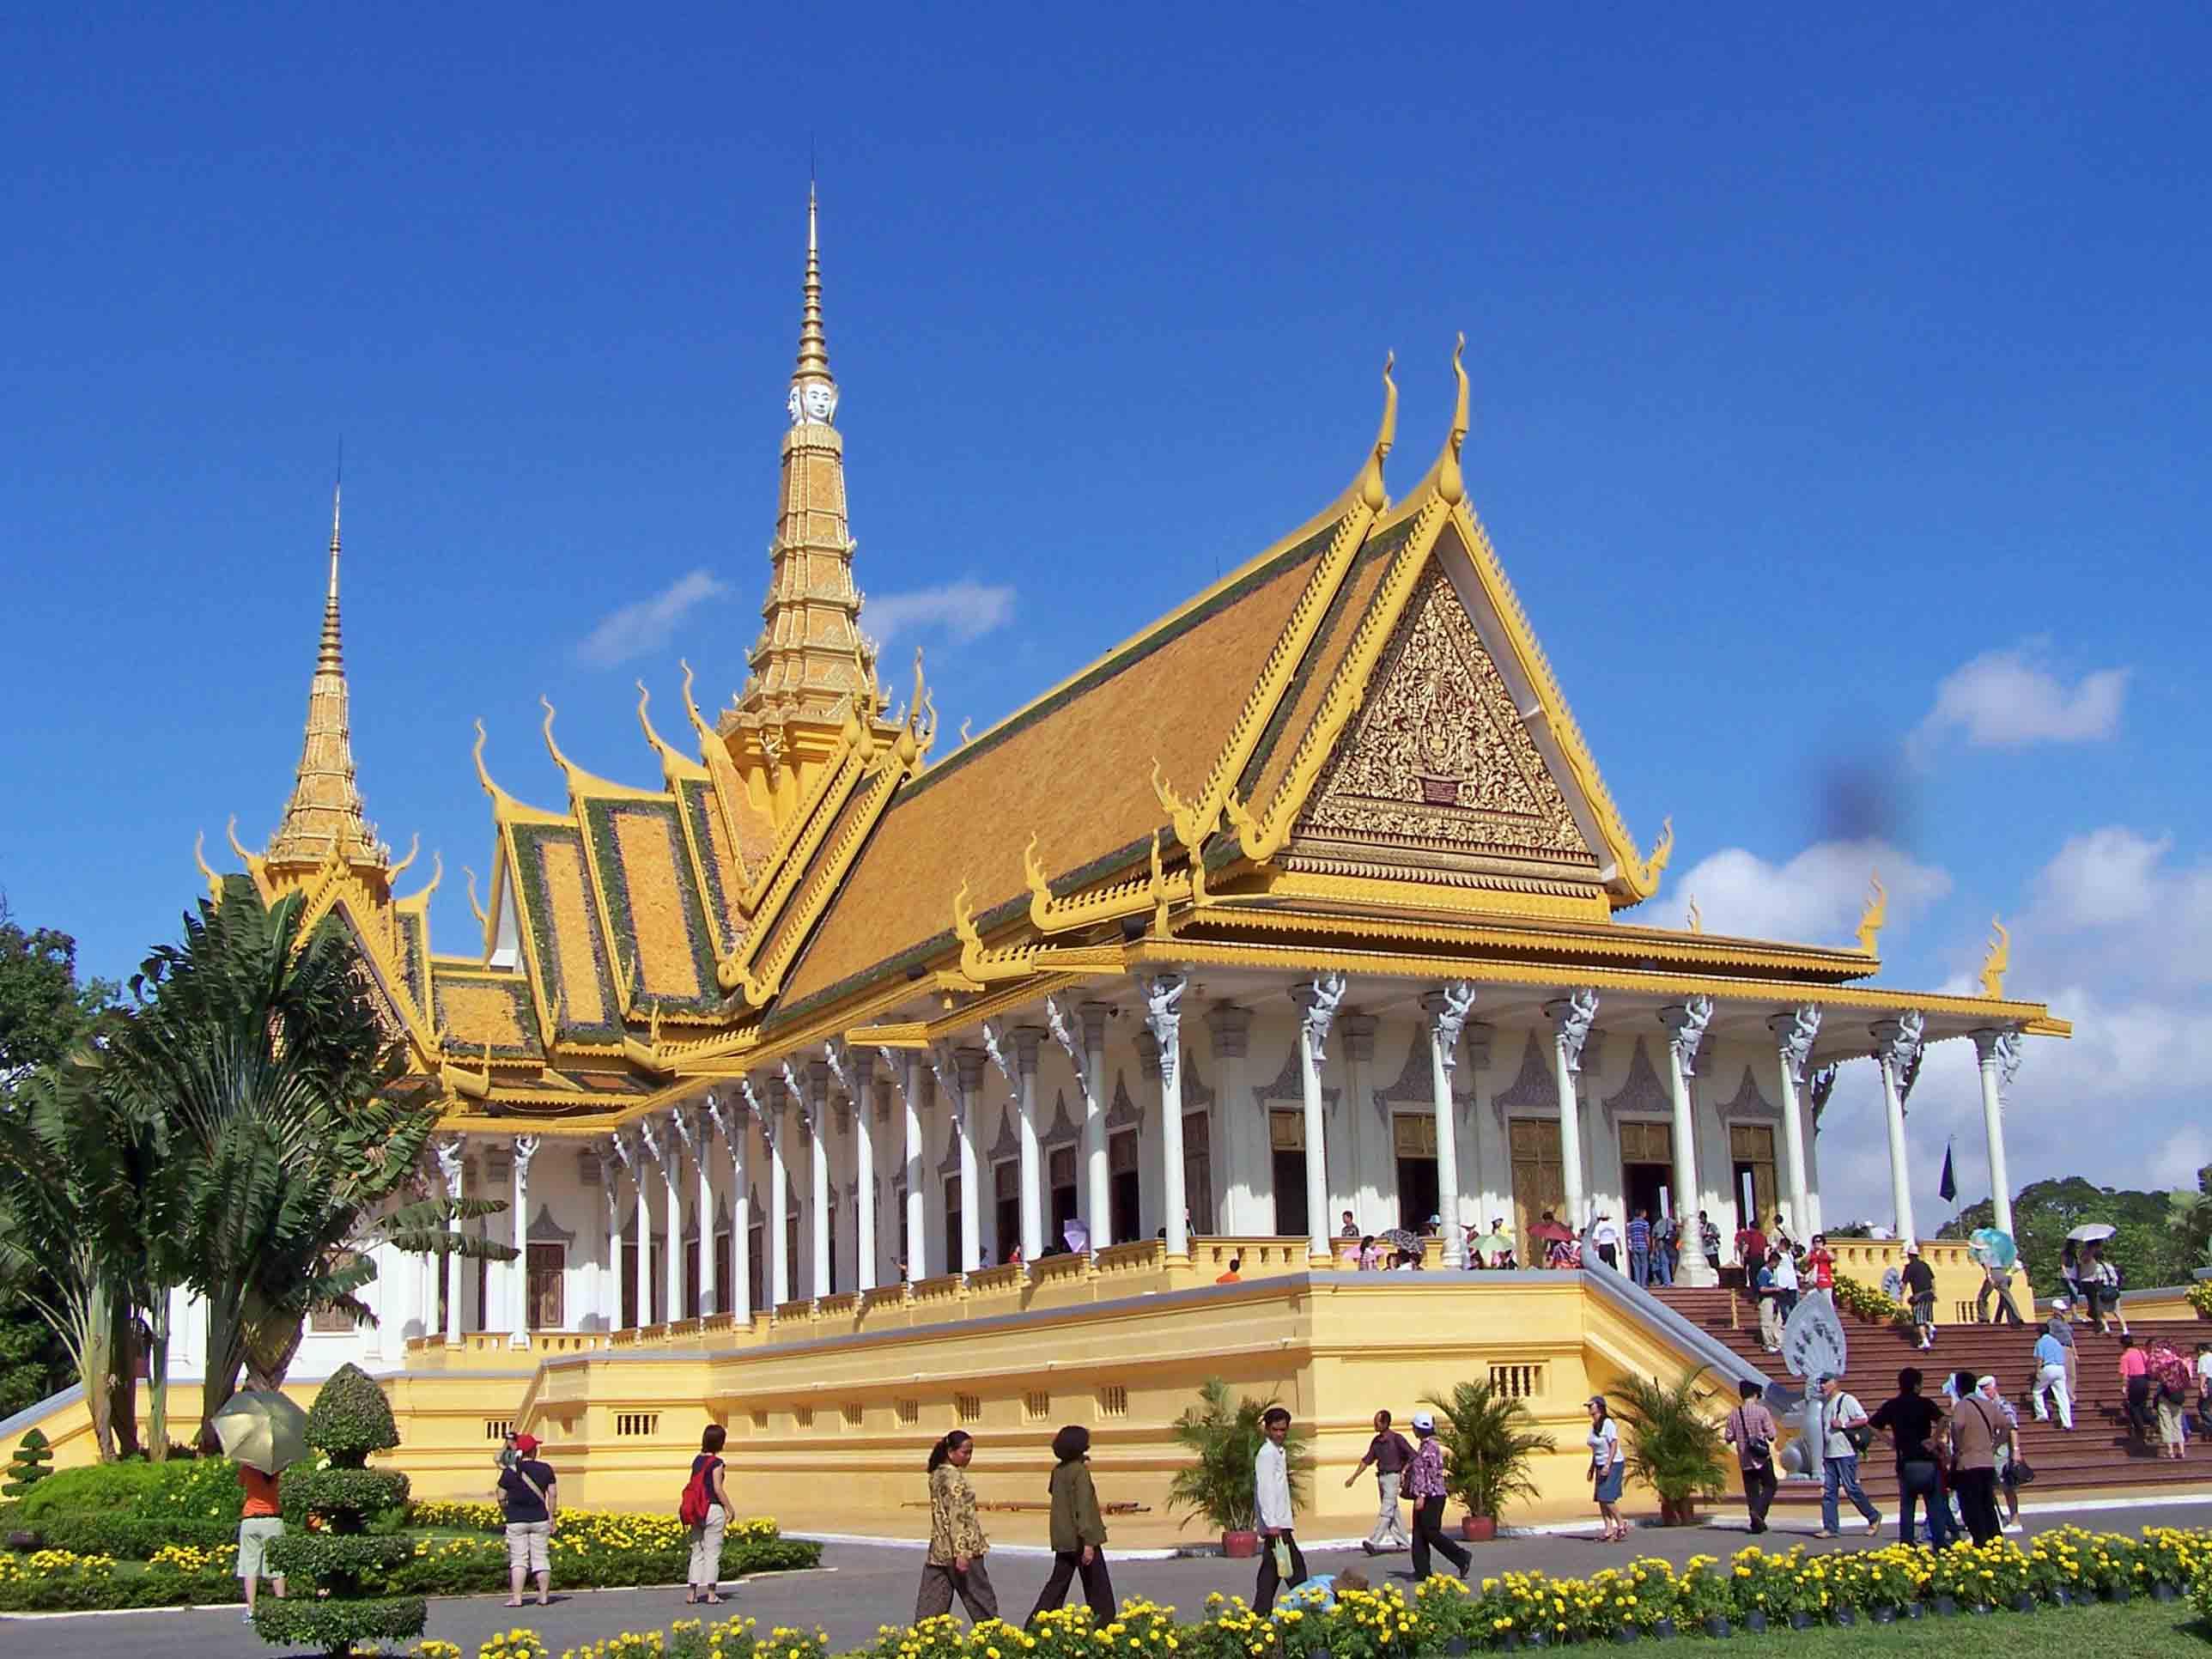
pixel 1271 1495
pixel 1840 1413
pixel 1605 1234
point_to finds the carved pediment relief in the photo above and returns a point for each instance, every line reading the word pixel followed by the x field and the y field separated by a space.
pixel 1437 757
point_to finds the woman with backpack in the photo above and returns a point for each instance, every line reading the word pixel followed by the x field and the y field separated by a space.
pixel 706 1509
pixel 528 1493
pixel 1078 1532
pixel 954 1565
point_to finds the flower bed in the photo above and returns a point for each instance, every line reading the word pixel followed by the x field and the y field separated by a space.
pixel 1440 1617
pixel 589 1550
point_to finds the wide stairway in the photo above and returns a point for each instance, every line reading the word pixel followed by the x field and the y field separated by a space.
pixel 2099 1452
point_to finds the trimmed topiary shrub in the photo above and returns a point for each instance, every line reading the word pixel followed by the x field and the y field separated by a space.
pixel 29 1465
pixel 351 1419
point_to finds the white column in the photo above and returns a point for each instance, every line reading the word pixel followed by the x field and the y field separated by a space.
pixel 525 1148
pixel 613 1165
pixel 671 1260
pixel 733 1123
pixel 1029 1042
pixel 703 1152
pixel 960 1073
pixel 1317 1001
pixel 1998 1051
pixel 906 1071
pixel 1098 1188
pixel 1245 1149
pixel 817 1104
pixel 1447 1008
pixel 1573 1016
pixel 1897 1046
pixel 859 1072
pixel 1686 1024
pixel 642 1226
pixel 1793 1034
pixel 778 1249
pixel 1371 1172
pixel 1163 1018
pixel 449 1168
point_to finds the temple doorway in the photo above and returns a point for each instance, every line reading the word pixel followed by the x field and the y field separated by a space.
pixel 1751 1172
pixel 1065 1205
pixel 1647 1168
pixel 1286 1139
pixel 1538 1182
pixel 1414 1137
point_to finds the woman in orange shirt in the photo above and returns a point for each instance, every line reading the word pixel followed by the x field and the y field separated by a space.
pixel 260 1521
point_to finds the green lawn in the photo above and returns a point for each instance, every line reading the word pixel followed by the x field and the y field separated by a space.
pixel 2139 1630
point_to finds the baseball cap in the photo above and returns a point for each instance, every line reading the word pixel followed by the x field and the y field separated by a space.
pixel 1424 1421
pixel 2059 1303
pixel 525 1443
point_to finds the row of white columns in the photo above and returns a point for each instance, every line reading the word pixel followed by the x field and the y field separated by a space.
pixel 802 1094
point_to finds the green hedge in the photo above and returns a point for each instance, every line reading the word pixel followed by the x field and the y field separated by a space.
pixel 197 1488
pixel 318 1554
pixel 126 1537
pixel 326 1492
pixel 337 1626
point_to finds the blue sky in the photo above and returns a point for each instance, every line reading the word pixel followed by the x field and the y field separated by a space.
pixel 1840 412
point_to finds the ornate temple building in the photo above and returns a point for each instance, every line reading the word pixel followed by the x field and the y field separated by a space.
pixel 1304 910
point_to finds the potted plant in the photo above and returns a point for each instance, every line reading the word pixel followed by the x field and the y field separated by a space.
pixel 1490 1441
pixel 1674 1446
pixel 1224 1439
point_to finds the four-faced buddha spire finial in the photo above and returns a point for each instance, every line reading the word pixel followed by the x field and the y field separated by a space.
pixel 813 399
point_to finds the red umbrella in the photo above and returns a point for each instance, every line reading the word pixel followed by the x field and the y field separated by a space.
pixel 1548 1232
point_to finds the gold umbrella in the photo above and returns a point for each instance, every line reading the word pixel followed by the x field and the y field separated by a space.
pixel 262 1429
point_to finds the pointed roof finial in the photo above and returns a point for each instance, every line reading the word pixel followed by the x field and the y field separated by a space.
pixel 332 658
pixel 812 372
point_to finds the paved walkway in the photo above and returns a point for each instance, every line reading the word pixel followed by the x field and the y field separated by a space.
pixel 864 1586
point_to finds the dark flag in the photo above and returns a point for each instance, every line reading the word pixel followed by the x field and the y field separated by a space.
pixel 1947 1188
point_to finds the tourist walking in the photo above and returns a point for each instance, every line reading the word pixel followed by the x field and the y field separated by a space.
pixel 1785 1282
pixel 1920 1294
pixel 2135 1377
pixel 2008 1464
pixel 2169 1388
pixel 954 1565
pixel 2069 1274
pixel 533 1510
pixel 1079 1531
pixel 2061 1325
pixel 1912 1422
pixel 1709 1238
pixel 1605 1234
pixel 1424 1483
pixel 1977 1430
pixel 1770 1304
pixel 1997 1281
pixel 1820 1265
pixel 2103 1280
pixel 1666 1249
pixel 260 1523
pixel 1845 1431
pixel 1752 1432
pixel 2204 1383
pixel 1281 1562
pixel 1388 1453
pixel 2050 1378
pixel 1608 1468
pixel 705 1510
pixel 1750 1247
pixel 1639 1247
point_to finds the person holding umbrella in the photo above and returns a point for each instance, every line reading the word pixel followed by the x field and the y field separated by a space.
pixel 263 1433
pixel 1996 1253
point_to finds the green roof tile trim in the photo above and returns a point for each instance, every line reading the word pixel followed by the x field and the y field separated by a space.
pixel 414 952
pixel 530 841
pixel 699 805
pixel 516 988
pixel 602 816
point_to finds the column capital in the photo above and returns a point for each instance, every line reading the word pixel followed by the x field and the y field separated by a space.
pixel 1029 1042
pixel 2000 1046
pixel 1094 1016
pixel 525 1148
pixel 1231 1027
pixel 1447 1008
pixel 1475 1035
pixel 1898 1041
pixel 1794 1031
pixel 860 1070
pixel 1573 1015
pixel 971 1062
pixel 1358 1029
pixel 1318 999
pixel 1686 1022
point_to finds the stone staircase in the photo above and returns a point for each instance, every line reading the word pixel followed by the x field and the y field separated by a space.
pixel 2098 1453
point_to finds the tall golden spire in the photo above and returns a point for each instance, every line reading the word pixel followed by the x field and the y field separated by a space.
pixel 325 815
pixel 811 665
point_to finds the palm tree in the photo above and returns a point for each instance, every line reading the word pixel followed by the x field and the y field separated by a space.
pixel 1224 1441
pixel 1675 1442
pixel 1491 1439
pixel 290 1122
pixel 58 1188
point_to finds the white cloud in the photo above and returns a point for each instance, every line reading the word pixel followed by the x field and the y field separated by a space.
pixel 1815 898
pixel 2121 905
pixel 964 609
pixel 646 624
pixel 2008 699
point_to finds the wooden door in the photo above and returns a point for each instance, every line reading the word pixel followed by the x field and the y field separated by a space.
pixel 1538 1182
pixel 1750 1152
pixel 1198 1172
pixel 548 1265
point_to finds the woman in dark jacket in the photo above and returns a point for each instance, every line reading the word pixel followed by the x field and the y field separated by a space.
pixel 1079 1533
